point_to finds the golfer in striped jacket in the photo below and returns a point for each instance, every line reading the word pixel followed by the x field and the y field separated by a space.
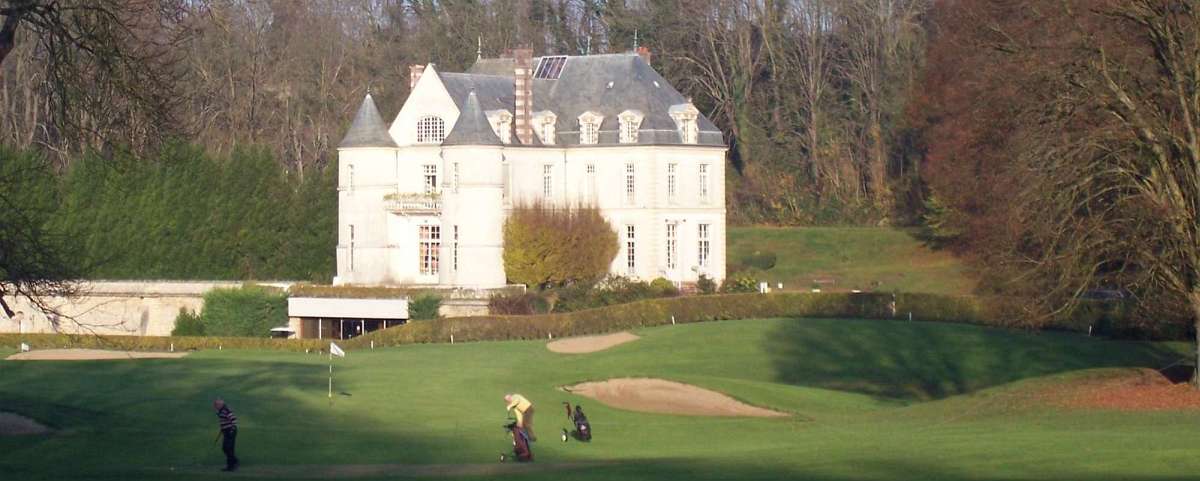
pixel 229 431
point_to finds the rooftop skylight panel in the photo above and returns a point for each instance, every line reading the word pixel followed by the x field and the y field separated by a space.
pixel 550 68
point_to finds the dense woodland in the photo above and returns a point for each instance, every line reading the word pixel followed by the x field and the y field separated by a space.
pixel 1052 142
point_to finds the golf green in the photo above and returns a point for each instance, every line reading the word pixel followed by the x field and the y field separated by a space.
pixel 869 400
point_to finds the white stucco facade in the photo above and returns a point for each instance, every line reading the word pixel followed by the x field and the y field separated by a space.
pixel 430 212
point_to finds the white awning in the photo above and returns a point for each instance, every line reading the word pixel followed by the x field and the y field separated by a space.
pixel 347 308
pixel 282 329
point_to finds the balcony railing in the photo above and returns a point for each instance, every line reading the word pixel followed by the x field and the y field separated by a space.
pixel 412 204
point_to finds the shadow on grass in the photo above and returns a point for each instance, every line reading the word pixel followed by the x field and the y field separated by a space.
pixel 136 420
pixel 923 361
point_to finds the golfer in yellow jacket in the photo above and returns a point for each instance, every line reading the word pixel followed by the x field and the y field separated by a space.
pixel 524 412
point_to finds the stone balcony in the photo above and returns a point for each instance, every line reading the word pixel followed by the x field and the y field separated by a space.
pixel 412 204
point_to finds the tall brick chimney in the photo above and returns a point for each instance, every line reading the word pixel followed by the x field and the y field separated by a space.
pixel 414 74
pixel 645 54
pixel 523 93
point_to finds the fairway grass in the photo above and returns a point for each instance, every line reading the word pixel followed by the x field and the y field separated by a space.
pixel 846 258
pixel 869 400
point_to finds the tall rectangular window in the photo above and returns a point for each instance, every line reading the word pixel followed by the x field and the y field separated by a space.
pixel 547 180
pixel 703 183
pixel 456 176
pixel 590 185
pixel 671 181
pixel 630 250
pixel 429 243
pixel 702 245
pixel 630 184
pixel 672 246
pixel 430 178
pixel 350 175
pixel 506 194
pixel 454 256
pixel 352 247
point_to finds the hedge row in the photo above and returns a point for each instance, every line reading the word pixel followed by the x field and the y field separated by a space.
pixel 654 312
pixel 156 343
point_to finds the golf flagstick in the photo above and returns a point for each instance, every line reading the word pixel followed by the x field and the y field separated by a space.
pixel 334 350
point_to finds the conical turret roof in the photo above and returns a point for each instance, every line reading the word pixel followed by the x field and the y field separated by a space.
pixel 367 129
pixel 472 127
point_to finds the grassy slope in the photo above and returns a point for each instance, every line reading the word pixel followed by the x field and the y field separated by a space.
pixel 854 257
pixel 858 388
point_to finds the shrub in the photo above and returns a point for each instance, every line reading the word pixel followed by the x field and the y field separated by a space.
pixel 924 307
pixel 512 304
pixel 547 246
pixel 706 285
pixel 424 307
pixel 188 323
pixel 761 260
pixel 661 287
pixel 159 343
pixel 739 283
pixel 250 311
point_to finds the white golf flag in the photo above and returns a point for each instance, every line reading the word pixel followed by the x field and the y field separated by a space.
pixel 24 347
pixel 336 351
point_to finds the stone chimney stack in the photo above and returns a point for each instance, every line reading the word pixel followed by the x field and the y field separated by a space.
pixel 414 74
pixel 523 94
pixel 645 54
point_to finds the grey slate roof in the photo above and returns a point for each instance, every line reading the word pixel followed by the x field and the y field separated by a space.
pixel 584 86
pixel 367 129
pixel 472 127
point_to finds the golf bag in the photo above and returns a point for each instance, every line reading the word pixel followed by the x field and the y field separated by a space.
pixel 520 440
pixel 583 429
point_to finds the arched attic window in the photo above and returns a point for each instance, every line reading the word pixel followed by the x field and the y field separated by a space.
pixel 685 116
pixel 589 128
pixel 631 121
pixel 544 122
pixel 431 129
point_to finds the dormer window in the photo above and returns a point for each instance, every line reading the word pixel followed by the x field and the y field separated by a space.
pixel 544 126
pixel 501 122
pixel 631 120
pixel 431 129
pixel 685 116
pixel 589 128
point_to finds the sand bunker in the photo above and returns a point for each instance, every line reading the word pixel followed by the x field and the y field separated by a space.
pixel 89 355
pixel 586 344
pixel 17 425
pixel 668 397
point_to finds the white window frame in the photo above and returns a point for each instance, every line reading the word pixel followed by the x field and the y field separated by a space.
pixel 630 183
pixel 589 128
pixel 630 250
pixel 672 245
pixel 590 182
pixel 672 187
pixel 703 246
pixel 431 129
pixel 430 175
pixel 350 178
pixel 454 251
pixel 703 180
pixel 351 247
pixel 429 246
pixel 630 122
pixel 456 177
pixel 547 181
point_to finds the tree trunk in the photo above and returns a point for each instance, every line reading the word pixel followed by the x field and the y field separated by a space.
pixel 8 33
pixel 1195 301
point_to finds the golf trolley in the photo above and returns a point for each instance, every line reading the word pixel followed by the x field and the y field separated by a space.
pixel 583 429
pixel 522 451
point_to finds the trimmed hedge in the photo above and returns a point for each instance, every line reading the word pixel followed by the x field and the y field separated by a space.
pixel 249 311
pixel 157 343
pixel 654 312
